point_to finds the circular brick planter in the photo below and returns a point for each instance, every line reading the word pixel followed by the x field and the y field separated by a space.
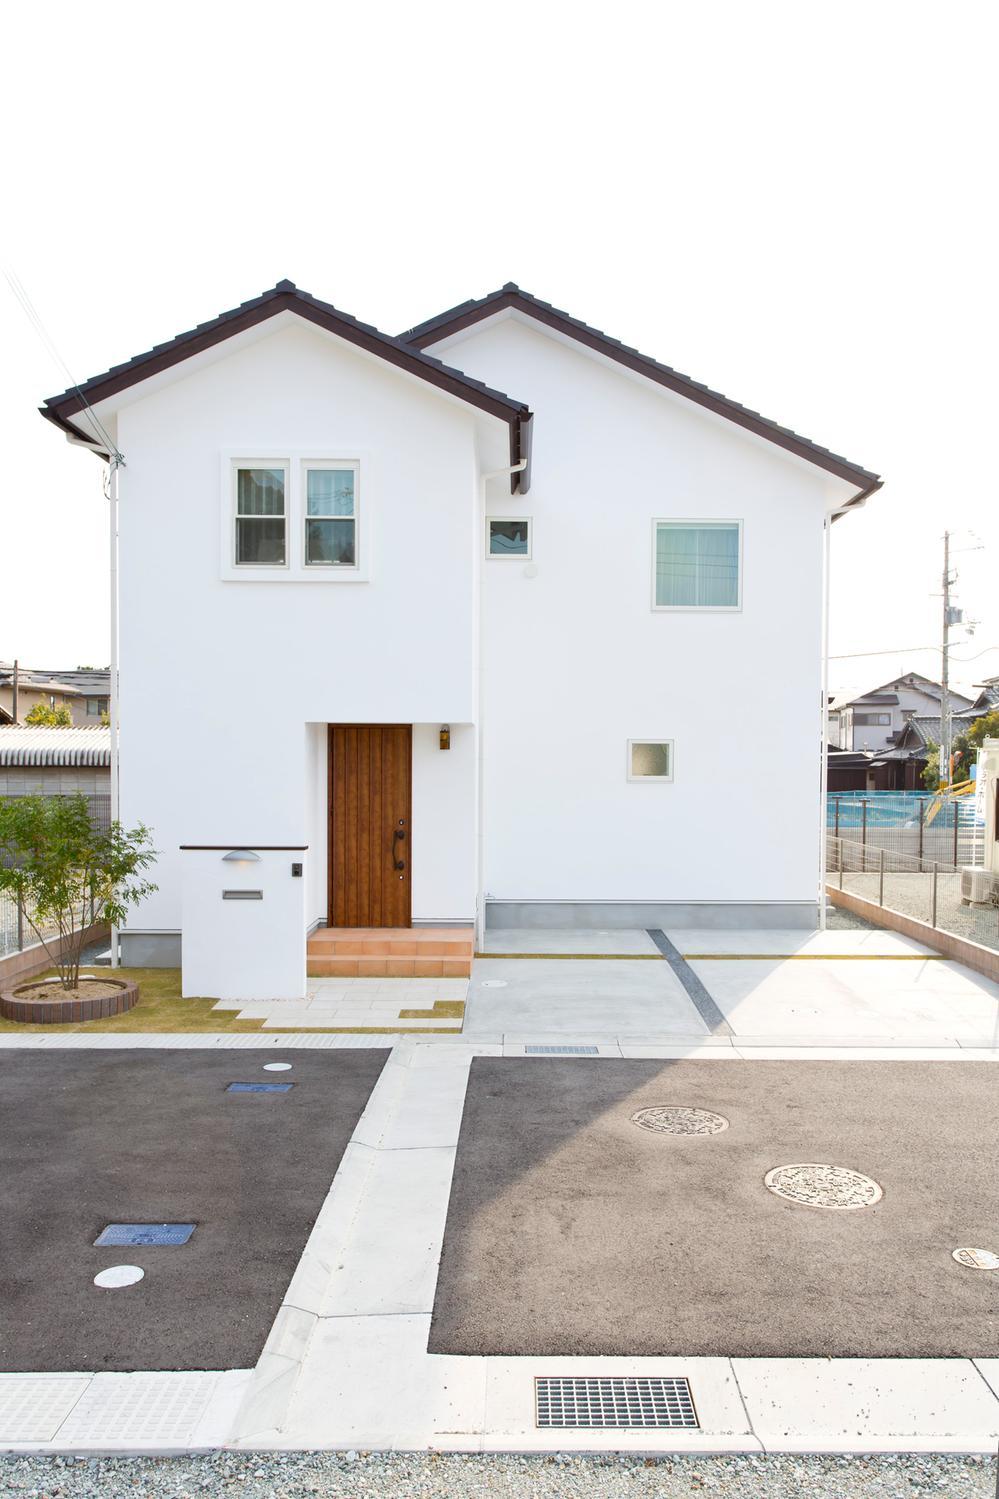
pixel 41 1009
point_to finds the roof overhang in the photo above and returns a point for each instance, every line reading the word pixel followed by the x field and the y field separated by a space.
pixel 511 296
pixel 65 410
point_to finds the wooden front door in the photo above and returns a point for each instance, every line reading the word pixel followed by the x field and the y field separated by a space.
pixel 370 835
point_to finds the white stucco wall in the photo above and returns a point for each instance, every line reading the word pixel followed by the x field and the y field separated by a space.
pixel 576 662
pixel 240 668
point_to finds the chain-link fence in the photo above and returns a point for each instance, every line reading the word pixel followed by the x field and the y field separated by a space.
pixel 16 931
pixel 964 901
pixel 906 822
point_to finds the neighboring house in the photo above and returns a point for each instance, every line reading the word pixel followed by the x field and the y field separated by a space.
pixel 54 762
pixel 85 692
pixel 493 678
pixel 849 770
pixel 874 720
pixel 901 767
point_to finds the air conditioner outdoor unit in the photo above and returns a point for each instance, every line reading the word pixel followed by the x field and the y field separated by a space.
pixel 976 886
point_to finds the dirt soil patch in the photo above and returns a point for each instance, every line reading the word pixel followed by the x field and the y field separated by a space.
pixel 94 1137
pixel 572 1231
pixel 91 989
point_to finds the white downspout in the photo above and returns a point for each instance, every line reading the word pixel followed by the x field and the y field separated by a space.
pixel 480 898
pixel 824 753
pixel 113 695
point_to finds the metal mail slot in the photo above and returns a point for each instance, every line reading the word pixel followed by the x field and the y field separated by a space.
pixel 242 895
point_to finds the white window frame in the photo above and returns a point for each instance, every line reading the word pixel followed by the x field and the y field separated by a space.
pixel 527 520
pixel 703 521
pixel 331 464
pixel 653 780
pixel 263 568
pixel 295 459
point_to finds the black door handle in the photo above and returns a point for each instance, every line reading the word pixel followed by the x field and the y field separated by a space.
pixel 397 838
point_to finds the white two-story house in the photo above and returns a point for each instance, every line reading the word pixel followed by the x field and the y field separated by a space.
pixel 471 625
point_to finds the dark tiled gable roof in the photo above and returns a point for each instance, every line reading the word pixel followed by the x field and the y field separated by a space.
pixel 285 296
pixel 511 295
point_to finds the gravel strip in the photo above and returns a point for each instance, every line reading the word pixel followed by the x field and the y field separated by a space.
pixel 429 1476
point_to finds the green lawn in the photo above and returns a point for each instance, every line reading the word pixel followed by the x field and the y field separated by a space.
pixel 160 1008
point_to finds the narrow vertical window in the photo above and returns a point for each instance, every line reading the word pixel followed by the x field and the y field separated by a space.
pixel 261 538
pixel 330 517
pixel 697 565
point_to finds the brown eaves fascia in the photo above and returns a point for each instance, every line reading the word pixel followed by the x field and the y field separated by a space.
pixel 285 296
pixel 513 296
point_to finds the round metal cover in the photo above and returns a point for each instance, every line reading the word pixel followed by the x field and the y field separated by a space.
pixel 118 1275
pixel 672 1119
pixel 277 1066
pixel 977 1259
pixel 819 1186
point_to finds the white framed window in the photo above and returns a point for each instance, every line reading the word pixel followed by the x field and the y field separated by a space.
pixel 330 520
pixel 650 759
pixel 697 564
pixel 260 513
pixel 508 536
pixel 96 706
pixel 296 514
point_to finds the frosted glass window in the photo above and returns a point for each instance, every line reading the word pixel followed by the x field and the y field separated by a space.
pixel 650 759
pixel 331 517
pixel 260 517
pixel 509 538
pixel 697 565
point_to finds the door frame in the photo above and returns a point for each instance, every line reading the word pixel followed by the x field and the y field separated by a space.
pixel 330 727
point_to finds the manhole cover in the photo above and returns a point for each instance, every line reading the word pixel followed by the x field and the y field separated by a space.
pixel 977 1259
pixel 118 1275
pixel 117 1235
pixel 818 1186
pixel 671 1119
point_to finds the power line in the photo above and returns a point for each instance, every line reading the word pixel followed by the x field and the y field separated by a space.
pixel 30 313
pixel 909 650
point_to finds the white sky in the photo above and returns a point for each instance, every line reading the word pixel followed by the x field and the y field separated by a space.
pixel 793 203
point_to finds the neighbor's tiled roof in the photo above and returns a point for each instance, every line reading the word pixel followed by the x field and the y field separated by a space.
pixel 73 683
pixel 26 744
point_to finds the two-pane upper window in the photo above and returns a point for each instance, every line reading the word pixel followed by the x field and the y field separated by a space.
pixel 291 517
pixel 697 564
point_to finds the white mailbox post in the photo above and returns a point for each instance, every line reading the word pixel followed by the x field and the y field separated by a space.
pixel 243 922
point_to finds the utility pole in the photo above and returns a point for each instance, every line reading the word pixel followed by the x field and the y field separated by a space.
pixel 13 695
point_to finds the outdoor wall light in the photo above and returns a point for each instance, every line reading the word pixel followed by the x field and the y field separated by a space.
pixel 445 736
pixel 241 856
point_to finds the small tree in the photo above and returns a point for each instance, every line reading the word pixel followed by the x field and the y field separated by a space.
pixel 65 872
pixel 42 716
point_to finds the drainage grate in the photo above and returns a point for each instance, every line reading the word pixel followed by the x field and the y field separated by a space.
pixel 119 1234
pixel 659 1401
pixel 561 1051
pixel 260 1087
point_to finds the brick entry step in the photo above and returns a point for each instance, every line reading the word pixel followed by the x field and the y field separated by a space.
pixel 391 952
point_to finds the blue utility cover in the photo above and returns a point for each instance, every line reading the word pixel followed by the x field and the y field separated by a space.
pixel 259 1087
pixel 120 1235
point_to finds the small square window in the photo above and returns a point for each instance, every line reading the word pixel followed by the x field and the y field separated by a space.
pixel 260 517
pixel 697 565
pixel 508 538
pixel 330 516
pixel 650 759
